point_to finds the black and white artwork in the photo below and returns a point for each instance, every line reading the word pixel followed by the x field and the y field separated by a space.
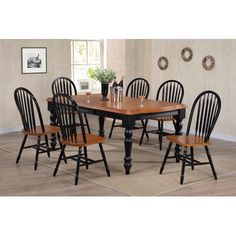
pixel 33 60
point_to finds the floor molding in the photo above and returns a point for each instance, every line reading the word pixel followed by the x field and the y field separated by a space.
pixel 225 137
pixel 9 130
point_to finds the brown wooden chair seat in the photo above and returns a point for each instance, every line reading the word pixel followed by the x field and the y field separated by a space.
pixel 188 140
pixel 169 91
pixel 48 129
pixel 31 115
pixel 67 113
pixel 79 142
pixel 205 112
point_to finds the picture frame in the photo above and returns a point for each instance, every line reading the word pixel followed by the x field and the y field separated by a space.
pixel 33 60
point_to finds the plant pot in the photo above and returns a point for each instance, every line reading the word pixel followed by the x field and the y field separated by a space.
pixel 104 88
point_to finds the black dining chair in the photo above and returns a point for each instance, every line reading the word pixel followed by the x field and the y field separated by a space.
pixel 67 112
pixel 33 124
pixel 169 91
pixel 66 86
pixel 203 116
pixel 137 87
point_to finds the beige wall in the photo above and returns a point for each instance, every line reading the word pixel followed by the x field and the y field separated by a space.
pixel 116 53
pixel 141 61
pixel 132 58
pixel 195 79
pixel 58 64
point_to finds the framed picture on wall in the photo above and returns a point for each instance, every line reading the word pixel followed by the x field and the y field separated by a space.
pixel 33 60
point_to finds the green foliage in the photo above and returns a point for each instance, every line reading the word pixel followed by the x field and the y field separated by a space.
pixel 104 76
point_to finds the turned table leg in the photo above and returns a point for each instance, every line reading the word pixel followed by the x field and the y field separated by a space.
pixel 128 148
pixel 101 126
pixel 178 131
pixel 53 138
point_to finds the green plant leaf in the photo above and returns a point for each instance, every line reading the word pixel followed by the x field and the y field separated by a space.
pixel 105 76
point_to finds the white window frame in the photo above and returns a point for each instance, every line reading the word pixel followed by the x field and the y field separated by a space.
pixel 73 64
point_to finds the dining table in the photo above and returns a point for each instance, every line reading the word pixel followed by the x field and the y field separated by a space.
pixel 129 110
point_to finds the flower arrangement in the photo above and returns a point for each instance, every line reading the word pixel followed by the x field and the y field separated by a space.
pixel 105 76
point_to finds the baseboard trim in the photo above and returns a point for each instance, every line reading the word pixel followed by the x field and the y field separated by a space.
pixel 225 137
pixel 9 130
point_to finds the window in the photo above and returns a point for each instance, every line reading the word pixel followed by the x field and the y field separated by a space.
pixel 86 54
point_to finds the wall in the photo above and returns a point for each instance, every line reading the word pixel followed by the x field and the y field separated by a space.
pixel 141 58
pixel 195 79
pixel 132 58
pixel 116 52
pixel 58 64
pixel 129 57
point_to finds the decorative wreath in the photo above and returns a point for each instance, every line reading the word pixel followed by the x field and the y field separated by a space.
pixel 204 62
pixel 189 55
pixel 160 63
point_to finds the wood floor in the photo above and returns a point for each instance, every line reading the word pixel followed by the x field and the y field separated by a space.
pixel 144 180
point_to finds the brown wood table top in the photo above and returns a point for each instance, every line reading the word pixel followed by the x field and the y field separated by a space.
pixel 129 106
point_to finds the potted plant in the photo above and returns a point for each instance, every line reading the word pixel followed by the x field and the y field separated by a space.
pixel 105 76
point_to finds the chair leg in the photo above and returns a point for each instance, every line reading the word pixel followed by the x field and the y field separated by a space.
pixel 183 166
pixel 85 156
pixel 47 145
pixel 37 153
pixel 21 148
pixel 112 127
pixel 64 156
pixel 211 163
pixel 192 158
pixel 165 158
pixel 160 124
pixel 62 153
pixel 77 168
pixel 144 129
pixel 87 123
pixel 104 160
